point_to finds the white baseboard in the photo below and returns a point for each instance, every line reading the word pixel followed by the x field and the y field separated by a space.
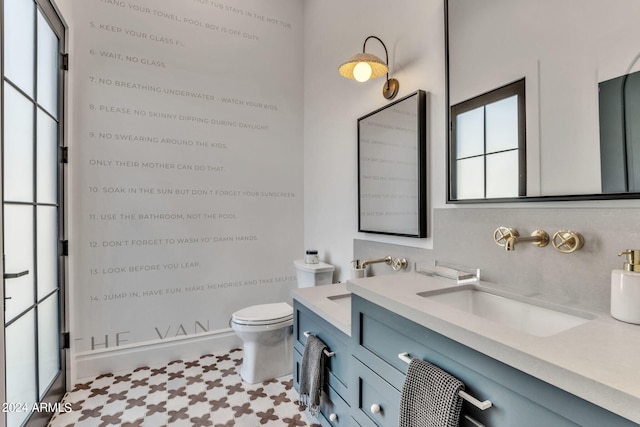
pixel 150 353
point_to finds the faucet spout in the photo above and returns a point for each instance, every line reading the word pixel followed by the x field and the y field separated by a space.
pixel 539 238
pixel 366 262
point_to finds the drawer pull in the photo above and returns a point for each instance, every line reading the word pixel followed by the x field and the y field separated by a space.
pixel 333 418
pixel 485 404
pixel 375 408
pixel 326 352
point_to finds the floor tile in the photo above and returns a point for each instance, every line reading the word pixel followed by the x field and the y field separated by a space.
pixel 207 391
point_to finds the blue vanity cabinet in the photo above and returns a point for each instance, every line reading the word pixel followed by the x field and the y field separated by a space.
pixel 333 406
pixel 379 335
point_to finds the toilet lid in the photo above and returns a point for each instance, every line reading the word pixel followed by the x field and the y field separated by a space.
pixel 319 267
pixel 264 312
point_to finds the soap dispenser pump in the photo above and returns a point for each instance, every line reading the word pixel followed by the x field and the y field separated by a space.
pixel 625 289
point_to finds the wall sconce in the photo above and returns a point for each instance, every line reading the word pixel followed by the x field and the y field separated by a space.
pixel 364 66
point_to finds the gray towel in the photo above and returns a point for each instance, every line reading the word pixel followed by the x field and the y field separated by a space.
pixel 430 397
pixel 312 374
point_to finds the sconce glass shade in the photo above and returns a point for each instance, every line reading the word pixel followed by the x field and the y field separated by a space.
pixel 362 72
pixel 356 69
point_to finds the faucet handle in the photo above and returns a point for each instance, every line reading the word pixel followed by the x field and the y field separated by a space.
pixel 399 264
pixel 502 235
pixel 567 241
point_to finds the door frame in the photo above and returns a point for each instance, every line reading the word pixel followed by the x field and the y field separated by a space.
pixel 58 388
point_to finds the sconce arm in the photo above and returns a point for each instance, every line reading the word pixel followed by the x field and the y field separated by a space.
pixel 386 53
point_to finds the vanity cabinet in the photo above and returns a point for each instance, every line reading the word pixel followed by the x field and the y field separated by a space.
pixel 333 406
pixel 379 335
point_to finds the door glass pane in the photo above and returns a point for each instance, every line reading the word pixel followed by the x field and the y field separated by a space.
pixel 502 174
pixel 20 373
pixel 47 67
pixel 47 159
pixel 29 179
pixel 18 248
pixel 19 54
pixel 18 146
pixel 502 125
pixel 470 133
pixel 47 250
pixel 470 178
pixel 48 342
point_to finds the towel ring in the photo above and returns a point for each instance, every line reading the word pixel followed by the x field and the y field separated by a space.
pixel 483 405
pixel 326 352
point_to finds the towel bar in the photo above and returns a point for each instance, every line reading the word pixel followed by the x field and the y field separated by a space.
pixel 486 404
pixel 326 352
pixel 474 421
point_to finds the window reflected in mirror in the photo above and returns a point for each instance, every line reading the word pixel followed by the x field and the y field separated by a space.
pixel 619 102
pixel 488 145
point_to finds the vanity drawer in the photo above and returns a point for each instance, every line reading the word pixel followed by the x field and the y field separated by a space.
pixel 337 342
pixel 330 379
pixel 379 345
pixel 331 401
pixel 369 389
pixel 334 409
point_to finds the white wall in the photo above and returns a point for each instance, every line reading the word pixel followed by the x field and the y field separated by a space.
pixel 413 32
pixel 185 180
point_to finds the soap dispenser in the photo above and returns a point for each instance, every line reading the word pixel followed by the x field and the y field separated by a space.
pixel 625 289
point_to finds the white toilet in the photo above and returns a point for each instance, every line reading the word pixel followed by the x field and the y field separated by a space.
pixel 266 330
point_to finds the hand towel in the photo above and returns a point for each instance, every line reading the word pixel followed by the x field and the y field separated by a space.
pixel 312 374
pixel 430 397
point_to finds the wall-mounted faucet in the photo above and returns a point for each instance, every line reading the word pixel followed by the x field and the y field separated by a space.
pixel 509 237
pixel 395 263
pixel 565 241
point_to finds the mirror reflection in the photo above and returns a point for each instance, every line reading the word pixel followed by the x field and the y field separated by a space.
pixel 488 145
pixel 391 168
pixel 565 52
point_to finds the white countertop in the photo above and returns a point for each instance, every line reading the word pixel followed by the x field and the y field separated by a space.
pixel 598 361
pixel 331 302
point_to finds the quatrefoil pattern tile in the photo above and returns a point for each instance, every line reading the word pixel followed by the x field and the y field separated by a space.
pixel 203 392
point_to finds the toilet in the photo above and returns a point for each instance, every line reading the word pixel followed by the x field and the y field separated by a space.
pixel 266 330
pixel 313 274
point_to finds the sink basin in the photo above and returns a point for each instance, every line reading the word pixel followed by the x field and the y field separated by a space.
pixel 511 311
pixel 342 299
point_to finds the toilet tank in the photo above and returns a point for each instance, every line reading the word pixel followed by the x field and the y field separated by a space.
pixel 313 274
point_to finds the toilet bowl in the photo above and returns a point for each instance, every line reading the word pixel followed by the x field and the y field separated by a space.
pixel 266 331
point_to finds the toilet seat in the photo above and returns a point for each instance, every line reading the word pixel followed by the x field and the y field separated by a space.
pixel 263 314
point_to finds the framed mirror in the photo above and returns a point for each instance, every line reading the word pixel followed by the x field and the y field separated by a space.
pixel 392 183
pixel 579 63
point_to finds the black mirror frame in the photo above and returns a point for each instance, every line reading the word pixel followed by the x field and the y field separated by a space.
pixel 421 127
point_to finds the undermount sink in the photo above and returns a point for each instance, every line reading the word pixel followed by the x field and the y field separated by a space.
pixel 342 299
pixel 525 316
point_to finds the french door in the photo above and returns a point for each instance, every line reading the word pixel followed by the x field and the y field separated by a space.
pixel 32 210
